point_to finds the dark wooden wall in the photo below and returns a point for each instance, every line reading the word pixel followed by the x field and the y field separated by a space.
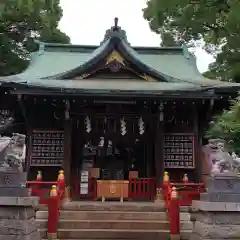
pixel 179 117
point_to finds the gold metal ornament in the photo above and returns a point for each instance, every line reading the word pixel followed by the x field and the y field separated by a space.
pixel 112 189
pixel 115 56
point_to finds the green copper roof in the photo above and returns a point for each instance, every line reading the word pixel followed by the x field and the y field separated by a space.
pixel 56 60
pixel 113 84
pixel 174 65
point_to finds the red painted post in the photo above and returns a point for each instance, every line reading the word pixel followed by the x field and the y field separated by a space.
pixel 174 215
pixel 53 213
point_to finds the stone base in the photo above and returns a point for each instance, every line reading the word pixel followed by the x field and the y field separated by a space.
pixel 216 231
pixel 220 197
pixel 216 221
pixel 17 219
pixel 32 236
pixel 14 191
pixel 217 215
pixel 197 237
pixel 225 183
pixel 12 183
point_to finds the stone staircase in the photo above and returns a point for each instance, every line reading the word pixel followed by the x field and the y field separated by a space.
pixel 113 220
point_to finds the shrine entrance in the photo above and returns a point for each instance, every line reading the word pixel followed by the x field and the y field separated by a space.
pixel 107 148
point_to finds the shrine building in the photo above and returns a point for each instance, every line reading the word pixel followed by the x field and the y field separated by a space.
pixel 113 111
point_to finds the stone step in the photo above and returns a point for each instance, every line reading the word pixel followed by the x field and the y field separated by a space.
pixel 159 205
pixel 114 206
pixel 107 224
pixel 162 238
pixel 110 206
pixel 184 208
pixel 114 234
pixel 114 224
pixel 112 215
pixel 107 215
pixel 93 239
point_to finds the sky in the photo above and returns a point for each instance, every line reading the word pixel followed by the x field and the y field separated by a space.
pixel 85 22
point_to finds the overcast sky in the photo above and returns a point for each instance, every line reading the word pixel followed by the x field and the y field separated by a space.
pixel 85 22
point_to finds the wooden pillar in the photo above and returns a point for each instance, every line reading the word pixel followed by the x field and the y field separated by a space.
pixel 159 150
pixel 28 151
pixel 205 114
pixel 149 146
pixel 67 147
pixel 67 151
pixel 198 162
pixel 23 105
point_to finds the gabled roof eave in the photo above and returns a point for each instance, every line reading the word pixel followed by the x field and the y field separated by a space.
pixel 118 44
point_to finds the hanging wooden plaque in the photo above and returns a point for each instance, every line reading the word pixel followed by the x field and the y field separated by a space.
pixel 47 148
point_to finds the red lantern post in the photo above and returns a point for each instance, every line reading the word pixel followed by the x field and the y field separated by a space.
pixel 34 188
pixel 174 215
pixel 185 178
pixel 53 213
pixel 63 191
pixel 166 188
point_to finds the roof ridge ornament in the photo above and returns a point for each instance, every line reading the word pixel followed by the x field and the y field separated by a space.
pixel 115 24
pixel 115 31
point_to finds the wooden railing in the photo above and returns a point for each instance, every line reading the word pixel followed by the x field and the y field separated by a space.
pixel 176 195
pixel 40 189
pixel 139 189
pixel 142 188
pixel 52 197
pixel 187 192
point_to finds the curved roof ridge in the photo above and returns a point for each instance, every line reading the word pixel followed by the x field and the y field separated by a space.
pixel 91 58
pixel 48 46
pixel 112 43
pixel 172 79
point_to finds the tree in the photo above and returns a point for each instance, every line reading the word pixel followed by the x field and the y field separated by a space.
pixel 227 126
pixel 217 22
pixel 227 64
pixel 168 40
pixel 22 21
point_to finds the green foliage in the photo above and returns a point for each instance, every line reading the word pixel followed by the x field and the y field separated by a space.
pixel 227 126
pixel 22 21
pixel 217 22
pixel 168 40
